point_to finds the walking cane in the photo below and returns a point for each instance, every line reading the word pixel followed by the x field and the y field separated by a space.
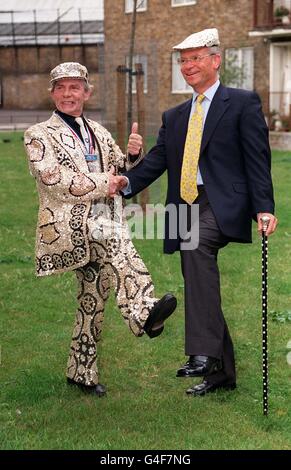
pixel 265 221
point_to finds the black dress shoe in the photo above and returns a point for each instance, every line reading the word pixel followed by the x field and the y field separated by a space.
pixel 158 314
pixel 207 387
pixel 199 366
pixel 98 389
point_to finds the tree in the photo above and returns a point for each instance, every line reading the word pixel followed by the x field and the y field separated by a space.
pixel 232 74
pixel 130 67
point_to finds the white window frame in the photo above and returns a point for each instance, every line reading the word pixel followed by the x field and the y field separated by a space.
pixel 128 6
pixel 183 3
pixel 240 63
pixel 138 59
pixel 177 76
pixel 280 53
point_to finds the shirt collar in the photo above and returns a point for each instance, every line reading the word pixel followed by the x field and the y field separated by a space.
pixel 67 118
pixel 209 93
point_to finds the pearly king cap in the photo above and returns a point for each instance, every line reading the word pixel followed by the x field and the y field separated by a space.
pixel 69 70
pixel 205 38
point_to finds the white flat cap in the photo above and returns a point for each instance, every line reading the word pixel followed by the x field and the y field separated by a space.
pixel 69 70
pixel 205 38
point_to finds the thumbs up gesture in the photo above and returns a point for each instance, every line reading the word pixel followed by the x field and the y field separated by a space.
pixel 134 128
pixel 134 145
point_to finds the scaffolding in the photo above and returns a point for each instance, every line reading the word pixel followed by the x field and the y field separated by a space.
pixel 50 27
pixel 34 41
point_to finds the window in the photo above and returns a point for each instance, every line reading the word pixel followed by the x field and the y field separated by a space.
pixel 239 67
pixel 141 5
pixel 138 59
pixel 179 3
pixel 178 83
pixel 280 83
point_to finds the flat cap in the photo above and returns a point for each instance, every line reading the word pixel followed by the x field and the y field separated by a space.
pixel 205 38
pixel 69 70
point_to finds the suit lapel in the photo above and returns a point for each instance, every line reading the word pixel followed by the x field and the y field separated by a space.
pixel 218 106
pixel 62 134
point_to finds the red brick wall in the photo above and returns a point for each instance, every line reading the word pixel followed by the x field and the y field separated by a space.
pixel 161 27
pixel 24 72
pixel 30 91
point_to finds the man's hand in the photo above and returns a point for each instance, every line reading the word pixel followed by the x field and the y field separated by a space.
pixel 116 183
pixel 272 224
pixel 134 145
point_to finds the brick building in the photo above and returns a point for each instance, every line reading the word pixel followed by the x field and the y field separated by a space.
pixel 251 32
pixel 34 38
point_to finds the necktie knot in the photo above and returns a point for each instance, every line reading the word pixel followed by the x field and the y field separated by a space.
pixel 79 121
pixel 200 98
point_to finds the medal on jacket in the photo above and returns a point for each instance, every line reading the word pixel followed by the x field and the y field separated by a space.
pixel 93 161
pixel 91 157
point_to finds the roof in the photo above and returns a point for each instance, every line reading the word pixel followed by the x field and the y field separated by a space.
pixel 48 10
pixel 46 22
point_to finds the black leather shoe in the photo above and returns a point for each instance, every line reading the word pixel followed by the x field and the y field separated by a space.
pixel 207 387
pixel 158 314
pixel 199 366
pixel 99 389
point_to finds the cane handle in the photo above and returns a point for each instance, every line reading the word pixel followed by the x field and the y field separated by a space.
pixel 265 221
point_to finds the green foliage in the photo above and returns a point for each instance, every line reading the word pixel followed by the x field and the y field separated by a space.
pixel 281 11
pixel 231 74
pixel 281 317
pixel 146 406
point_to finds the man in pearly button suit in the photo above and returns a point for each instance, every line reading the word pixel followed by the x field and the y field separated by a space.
pixel 76 164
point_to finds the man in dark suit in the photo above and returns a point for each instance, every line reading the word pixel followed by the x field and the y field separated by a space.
pixel 215 149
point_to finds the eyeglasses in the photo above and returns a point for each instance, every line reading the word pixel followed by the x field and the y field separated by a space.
pixel 192 60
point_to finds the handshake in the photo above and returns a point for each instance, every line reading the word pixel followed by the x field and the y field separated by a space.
pixel 116 183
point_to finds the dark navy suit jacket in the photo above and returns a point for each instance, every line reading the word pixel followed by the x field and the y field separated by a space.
pixel 235 161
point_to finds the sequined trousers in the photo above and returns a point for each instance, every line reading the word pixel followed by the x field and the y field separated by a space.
pixel 113 263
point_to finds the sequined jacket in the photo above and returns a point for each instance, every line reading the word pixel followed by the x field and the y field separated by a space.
pixel 66 190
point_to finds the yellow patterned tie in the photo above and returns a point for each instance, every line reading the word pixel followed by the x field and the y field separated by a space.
pixel 188 189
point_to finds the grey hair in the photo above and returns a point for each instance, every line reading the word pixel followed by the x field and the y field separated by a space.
pixel 214 50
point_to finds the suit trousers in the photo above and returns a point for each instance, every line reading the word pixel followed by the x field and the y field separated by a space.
pixel 113 263
pixel 206 331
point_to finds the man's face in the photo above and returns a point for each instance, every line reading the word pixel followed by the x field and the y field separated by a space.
pixel 202 73
pixel 69 96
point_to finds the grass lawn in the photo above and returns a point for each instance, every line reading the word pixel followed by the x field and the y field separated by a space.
pixel 146 406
